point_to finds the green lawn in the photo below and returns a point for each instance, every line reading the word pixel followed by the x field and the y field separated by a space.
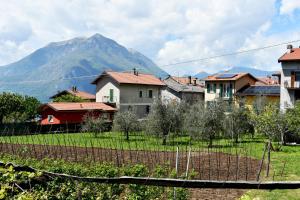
pixel 288 156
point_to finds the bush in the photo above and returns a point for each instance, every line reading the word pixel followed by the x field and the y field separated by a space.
pixel 95 125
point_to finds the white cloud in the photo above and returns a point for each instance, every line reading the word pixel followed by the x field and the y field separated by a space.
pixel 167 31
pixel 288 6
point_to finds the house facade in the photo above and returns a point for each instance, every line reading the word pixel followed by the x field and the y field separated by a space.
pixel 128 90
pixel 189 91
pixel 224 86
pixel 73 113
pixel 270 93
pixel 290 78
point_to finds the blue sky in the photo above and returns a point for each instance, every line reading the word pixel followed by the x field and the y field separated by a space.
pixel 166 31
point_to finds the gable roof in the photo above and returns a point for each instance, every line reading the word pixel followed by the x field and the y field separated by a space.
pixel 84 106
pixel 81 94
pixel 293 56
pixel 179 87
pixel 232 77
pixel 264 90
pixel 130 78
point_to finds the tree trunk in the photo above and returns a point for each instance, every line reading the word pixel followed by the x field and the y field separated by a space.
pixel 127 135
pixel 210 142
pixel 164 140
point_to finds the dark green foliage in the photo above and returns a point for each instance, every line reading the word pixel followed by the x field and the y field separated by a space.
pixel 293 119
pixel 68 98
pixel 17 108
pixel 58 188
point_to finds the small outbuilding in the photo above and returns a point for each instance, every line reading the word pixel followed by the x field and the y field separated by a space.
pixel 73 113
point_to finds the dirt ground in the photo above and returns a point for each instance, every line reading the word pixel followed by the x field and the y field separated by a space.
pixel 207 165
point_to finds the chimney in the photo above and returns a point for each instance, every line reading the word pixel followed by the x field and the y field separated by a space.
pixel 135 72
pixel 195 81
pixel 289 48
pixel 74 89
pixel 190 79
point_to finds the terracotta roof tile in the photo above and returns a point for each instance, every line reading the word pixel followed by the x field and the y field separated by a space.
pixel 234 78
pixel 130 78
pixel 294 55
pixel 79 106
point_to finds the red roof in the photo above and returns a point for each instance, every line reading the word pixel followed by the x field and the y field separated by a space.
pixel 81 94
pixel 84 106
pixel 131 78
pixel 294 55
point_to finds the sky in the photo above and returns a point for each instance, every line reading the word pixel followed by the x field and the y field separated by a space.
pixel 167 31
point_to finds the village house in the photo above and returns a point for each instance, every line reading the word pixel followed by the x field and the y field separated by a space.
pixel 224 86
pixel 182 89
pixel 270 93
pixel 73 113
pixel 128 90
pixel 290 78
pixel 83 95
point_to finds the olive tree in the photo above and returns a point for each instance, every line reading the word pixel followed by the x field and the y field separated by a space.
pixel 293 119
pixel 205 121
pixel 126 121
pixel 94 124
pixel 165 117
pixel 237 123
pixel 193 122
pixel 272 123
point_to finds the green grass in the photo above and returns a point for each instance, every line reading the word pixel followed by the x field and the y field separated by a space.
pixel 290 155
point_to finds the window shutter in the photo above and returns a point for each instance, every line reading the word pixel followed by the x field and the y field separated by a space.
pixel 292 79
pixel 221 90
pixel 208 88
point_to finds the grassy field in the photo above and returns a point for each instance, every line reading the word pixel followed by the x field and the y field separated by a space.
pixel 288 158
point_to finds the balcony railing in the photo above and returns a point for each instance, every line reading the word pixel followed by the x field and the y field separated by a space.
pixel 109 99
pixel 291 85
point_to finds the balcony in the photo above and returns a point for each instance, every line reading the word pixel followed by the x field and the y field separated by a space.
pixel 109 99
pixel 291 84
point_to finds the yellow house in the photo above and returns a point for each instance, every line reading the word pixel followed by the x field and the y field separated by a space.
pixel 271 93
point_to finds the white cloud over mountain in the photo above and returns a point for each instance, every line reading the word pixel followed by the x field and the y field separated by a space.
pixel 167 31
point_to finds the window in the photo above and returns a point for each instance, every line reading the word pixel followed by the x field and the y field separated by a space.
pixel 215 88
pixel 147 109
pixel 50 119
pixel 208 88
pixel 150 94
pixel 297 76
pixel 221 90
pixel 141 94
pixel 129 108
pixel 111 95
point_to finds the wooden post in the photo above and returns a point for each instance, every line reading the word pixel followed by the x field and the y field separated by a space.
pixel 261 163
pixel 269 159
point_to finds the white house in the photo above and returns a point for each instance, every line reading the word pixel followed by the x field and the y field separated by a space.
pixel 290 78
pixel 128 90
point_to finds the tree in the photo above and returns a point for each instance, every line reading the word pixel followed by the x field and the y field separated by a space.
pixel 94 124
pixel 238 122
pixel 165 117
pixel 193 122
pixel 15 107
pixel 213 120
pixel 68 98
pixel 272 123
pixel 126 122
pixel 293 119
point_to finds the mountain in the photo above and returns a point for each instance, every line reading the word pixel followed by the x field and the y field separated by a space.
pixel 51 68
pixel 201 75
pixel 254 72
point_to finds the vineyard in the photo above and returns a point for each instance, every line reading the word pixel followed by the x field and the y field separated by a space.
pixel 182 158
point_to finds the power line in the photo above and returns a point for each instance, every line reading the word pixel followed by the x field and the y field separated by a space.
pixel 171 64
pixel 229 54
